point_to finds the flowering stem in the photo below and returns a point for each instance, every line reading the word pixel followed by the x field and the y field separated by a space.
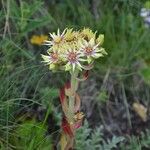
pixel 77 49
pixel 72 95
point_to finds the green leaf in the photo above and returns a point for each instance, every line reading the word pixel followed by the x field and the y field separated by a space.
pixel 145 73
pixel 103 96
pixel 31 135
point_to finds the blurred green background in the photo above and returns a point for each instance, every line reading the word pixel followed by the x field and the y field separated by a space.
pixel 30 112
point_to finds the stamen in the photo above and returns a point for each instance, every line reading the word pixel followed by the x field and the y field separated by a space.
pixel 72 57
pixel 88 50
pixel 54 56
pixel 58 39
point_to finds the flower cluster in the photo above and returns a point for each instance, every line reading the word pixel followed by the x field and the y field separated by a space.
pixel 71 50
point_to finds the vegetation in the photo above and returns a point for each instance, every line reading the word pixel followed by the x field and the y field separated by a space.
pixel 30 111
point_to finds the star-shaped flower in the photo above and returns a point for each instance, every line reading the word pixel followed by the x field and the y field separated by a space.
pixel 73 59
pixel 56 38
pixel 51 59
pixel 92 50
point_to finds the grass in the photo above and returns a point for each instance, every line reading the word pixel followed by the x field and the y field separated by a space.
pixel 27 87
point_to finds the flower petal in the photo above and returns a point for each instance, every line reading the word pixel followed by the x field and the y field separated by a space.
pixel 46 58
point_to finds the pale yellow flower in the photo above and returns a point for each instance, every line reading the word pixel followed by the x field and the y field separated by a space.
pixel 92 50
pixel 56 39
pixel 87 34
pixel 73 59
pixel 71 36
pixel 51 59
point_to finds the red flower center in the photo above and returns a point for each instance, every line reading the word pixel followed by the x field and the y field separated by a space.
pixel 72 57
pixel 88 50
pixel 54 56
